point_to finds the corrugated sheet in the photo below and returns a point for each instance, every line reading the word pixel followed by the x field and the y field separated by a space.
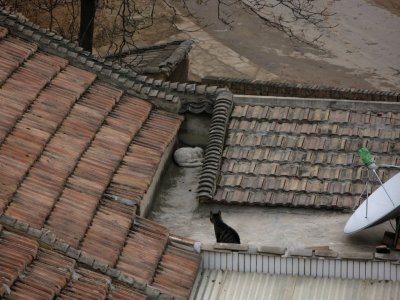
pixel 302 266
pixel 214 284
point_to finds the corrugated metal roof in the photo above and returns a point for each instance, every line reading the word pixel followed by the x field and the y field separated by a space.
pixel 306 262
pixel 214 284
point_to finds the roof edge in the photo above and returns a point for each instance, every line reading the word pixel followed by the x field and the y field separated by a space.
pixel 287 89
pixel 305 262
pixel 322 103
pixel 313 252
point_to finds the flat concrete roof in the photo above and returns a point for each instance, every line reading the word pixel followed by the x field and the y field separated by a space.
pixel 177 208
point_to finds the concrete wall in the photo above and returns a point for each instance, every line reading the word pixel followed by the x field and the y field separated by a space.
pixel 148 198
pixel 270 88
pixel 194 130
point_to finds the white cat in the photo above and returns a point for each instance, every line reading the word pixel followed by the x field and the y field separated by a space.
pixel 189 156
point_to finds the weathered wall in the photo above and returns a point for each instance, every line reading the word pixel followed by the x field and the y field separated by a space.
pixel 194 130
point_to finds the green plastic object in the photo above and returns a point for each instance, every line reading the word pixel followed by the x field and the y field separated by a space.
pixel 365 156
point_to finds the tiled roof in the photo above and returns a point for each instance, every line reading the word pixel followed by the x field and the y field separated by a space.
pixel 155 59
pixel 32 268
pixel 77 156
pixel 291 155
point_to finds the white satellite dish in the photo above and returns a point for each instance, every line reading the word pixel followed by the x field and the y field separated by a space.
pixel 382 205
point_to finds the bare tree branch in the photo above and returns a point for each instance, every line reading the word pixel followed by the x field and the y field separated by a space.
pixel 119 24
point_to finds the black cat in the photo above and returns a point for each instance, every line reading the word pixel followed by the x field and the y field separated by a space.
pixel 223 232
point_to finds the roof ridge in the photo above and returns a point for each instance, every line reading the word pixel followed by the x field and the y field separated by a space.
pixel 215 146
pixel 167 65
pixel 292 89
pixel 49 239
pixel 177 97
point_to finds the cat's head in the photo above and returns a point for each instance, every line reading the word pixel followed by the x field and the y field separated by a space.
pixel 214 216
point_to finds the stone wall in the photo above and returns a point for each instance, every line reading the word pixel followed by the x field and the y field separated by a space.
pixel 270 88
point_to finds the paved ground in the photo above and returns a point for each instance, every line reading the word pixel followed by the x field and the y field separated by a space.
pixel 177 208
pixel 362 52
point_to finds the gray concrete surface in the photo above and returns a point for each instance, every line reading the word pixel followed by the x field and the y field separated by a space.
pixel 361 52
pixel 177 208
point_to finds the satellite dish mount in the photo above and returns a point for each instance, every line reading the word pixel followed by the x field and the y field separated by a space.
pixel 380 206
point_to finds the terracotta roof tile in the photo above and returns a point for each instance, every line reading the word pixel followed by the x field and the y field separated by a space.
pixel 296 185
pixel 274 183
pixel 271 140
pixel 121 293
pixel 139 165
pixel 286 170
pixel 253 182
pixel 23 86
pixel 16 253
pixel 359 118
pixel 281 198
pixel 318 115
pixel 278 113
pixel 331 173
pixel 142 250
pixel 96 168
pixel 342 158
pixel 292 142
pixel 320 157
pixel 306 128
pixel 307 153
pixel 298 113
pixel 310 171
pixel 285 127
pixel 28 271
pixel 28 144
pixel 66 138
pixel 266 168
pixel 176 272
pixel 86 284
pixel 13 52
pixel 106 236
pixel 304 200
pixel 339 116
pixel 44 277
pixel 265 126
